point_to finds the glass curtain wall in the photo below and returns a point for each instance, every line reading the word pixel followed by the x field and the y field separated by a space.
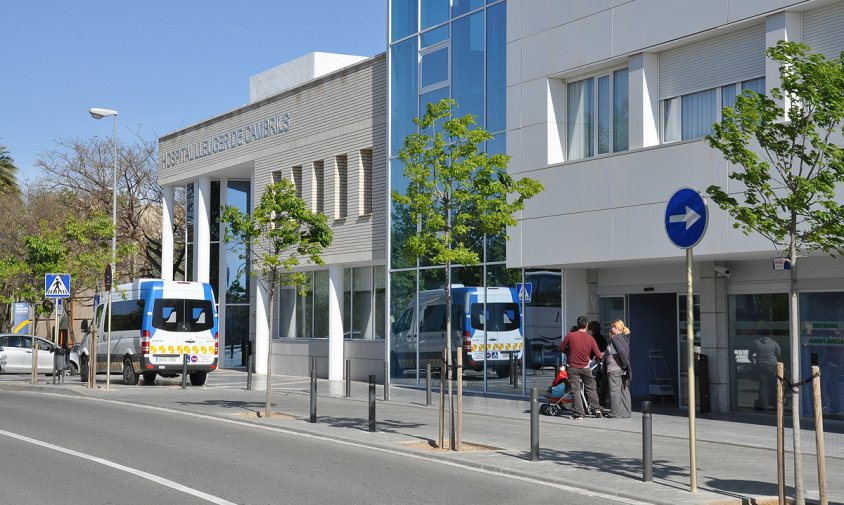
pixel 237 281
pixel 456 49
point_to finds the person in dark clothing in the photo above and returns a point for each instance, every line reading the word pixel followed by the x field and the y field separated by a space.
pixel 581 346
pixel 618 373
pixel 594 329
pixel 764 353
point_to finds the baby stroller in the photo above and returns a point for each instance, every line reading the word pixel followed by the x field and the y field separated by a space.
pixel 560 398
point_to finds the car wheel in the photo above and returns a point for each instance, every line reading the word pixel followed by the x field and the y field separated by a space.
pixel 198 378
pixel 149 377
pixel 130 376
pixel 83 370
pixel 502 371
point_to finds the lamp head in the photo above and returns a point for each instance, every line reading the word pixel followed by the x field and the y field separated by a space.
pixel 98 113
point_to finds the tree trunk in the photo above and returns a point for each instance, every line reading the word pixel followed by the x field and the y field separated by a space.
pixel 268 406
pixel 794 322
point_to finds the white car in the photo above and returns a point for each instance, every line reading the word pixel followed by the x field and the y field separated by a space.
pixel 16 354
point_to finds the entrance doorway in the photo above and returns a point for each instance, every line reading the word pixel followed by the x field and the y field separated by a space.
pixel 653 326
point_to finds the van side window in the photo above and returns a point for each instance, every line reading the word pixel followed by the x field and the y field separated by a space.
pixel 127 315
pixel 404 321
pixel 434 318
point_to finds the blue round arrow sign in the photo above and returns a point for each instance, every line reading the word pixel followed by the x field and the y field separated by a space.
pixel 686 218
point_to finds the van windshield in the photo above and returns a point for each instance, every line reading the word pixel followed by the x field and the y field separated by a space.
pixel 500 316
pixel 182 315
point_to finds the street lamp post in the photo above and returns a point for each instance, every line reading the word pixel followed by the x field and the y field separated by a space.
pixel 97 113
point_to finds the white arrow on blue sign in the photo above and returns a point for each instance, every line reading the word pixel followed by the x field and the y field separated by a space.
pixel 686 218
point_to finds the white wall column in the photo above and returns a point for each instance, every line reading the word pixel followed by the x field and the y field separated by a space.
pixel 643 89
pixel 262 329
pixel 202 230
pixel 335 322
pixel 167 197
pixel 783 26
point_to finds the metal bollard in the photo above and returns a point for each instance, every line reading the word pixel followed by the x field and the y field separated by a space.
pixel 55 365
pixel 184 371
pixel 647 443
pixel 515 373
pixel 386 382
pixel 534 424
pixel 313 390
pixel 372 403
pixel 249 365
pixel 348 378
pixel 512 368
pixel 428 384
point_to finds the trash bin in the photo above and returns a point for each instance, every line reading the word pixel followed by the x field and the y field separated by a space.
pixel 702 373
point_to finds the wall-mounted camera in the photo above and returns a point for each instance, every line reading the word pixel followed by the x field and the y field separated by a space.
pixel 722 271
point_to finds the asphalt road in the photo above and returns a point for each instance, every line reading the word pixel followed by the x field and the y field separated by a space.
pixel 61 449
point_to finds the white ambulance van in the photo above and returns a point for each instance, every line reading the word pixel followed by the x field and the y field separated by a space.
pixel 418 338
pixel 155 326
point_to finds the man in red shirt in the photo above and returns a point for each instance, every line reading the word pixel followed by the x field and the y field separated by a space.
pixel 581 346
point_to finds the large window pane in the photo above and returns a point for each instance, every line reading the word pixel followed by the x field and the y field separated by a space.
pixel 403 344
pixel 822 342
pixel 380 301
pixel 467 65
pixel 543 318
pixel 363 324
pixel 757 85
pixel 215 212
pixel 321 304
pixel 699 113
pixel 403 92
pixel 671 120
pixel 237 335
pixel 463 6
pixel 579 117
pixel 755 320
pixel 435 67
pixel 496 67
pixel 432 97
pixel 603 114
pixel 620 110
pixel 237 269
pixel 728 96
pixel 434 36
pixel 433 12
pixel 402 18
pixel 402 226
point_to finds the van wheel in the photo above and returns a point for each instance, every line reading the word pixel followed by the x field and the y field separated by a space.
pixel 83 370
pixel 130 376
pixel 502 371
pixel 396 370
pixel 198 378
pixel 149 377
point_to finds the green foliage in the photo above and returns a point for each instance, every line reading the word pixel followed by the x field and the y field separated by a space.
pixel 8 173
pixel 456 191
pixel 789 168
pixel 280 232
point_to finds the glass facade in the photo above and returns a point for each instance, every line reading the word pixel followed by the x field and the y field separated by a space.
pixel 459 54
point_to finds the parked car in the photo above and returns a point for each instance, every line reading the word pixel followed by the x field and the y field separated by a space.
pixel 16 354
pixel 73 360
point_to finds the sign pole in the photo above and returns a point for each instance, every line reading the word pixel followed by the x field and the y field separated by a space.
pixel 690 351
pixel 108 343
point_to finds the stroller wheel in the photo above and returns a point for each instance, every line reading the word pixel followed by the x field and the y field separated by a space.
pixel 553 410
pixel 543 409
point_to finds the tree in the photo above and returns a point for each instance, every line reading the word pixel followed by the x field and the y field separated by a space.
pixel 790 170
pixel 8 173
pixel 82 170
pixel 278 233
pixel 455 193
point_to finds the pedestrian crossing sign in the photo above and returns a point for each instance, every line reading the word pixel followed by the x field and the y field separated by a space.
pixel 57 285
pixel 524 290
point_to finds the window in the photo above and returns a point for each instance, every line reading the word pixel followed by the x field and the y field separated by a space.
pixel 434 68
pixel 178 315
pixel 366 181
pixel 342 185
pixel 692 115
pixel 297 180
pixel 597 115
pixel 319 185
pixel 433 12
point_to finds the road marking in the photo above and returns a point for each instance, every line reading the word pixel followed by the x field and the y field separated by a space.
pixel 118 466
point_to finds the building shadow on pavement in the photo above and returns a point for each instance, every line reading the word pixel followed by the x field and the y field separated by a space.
pixel 609 463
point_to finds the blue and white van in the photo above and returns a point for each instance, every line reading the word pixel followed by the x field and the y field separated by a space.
pixel 156 325
pixel 419 340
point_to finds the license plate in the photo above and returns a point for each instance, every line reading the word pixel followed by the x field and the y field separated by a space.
pixel 167 359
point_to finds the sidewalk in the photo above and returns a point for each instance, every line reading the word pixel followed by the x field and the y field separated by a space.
pixel 736 454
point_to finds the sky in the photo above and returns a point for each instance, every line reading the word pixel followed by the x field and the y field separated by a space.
pixel 162 64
